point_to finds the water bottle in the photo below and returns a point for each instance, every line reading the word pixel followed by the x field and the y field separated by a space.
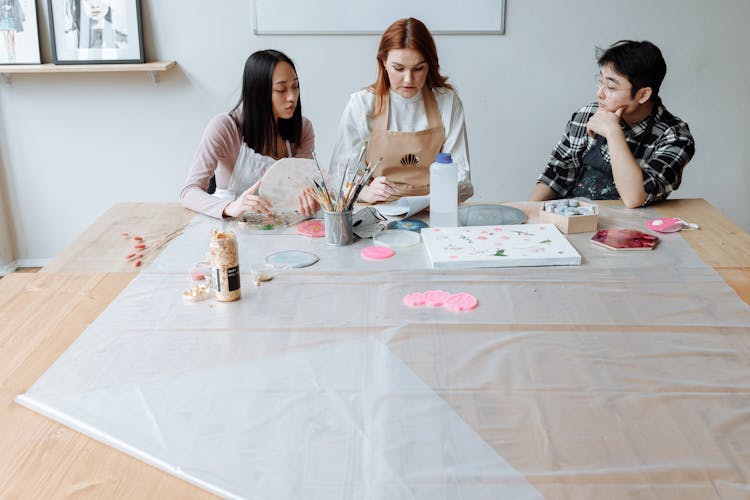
pixel 443 192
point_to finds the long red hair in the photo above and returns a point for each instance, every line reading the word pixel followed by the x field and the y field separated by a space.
pixel 407 33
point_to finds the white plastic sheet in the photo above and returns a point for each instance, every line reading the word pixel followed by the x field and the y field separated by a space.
pixel 625 377
pixel 291 425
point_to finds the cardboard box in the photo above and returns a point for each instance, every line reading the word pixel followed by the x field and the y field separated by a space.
pixel 570 224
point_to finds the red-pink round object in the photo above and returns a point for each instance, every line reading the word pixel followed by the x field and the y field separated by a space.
pixel 436 298
pixel 415 299
pixel 665 225
pixel 461 302
pixel 376 253
pixel 315 228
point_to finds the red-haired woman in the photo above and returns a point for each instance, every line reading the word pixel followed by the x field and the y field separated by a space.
pixel 406 117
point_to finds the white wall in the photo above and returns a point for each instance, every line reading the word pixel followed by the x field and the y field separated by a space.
pixel 7 258
pixel 72 145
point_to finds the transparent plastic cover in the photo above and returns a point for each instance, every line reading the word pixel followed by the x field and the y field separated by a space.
pixel 624 377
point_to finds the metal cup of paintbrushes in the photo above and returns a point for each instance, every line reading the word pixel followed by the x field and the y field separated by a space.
pixel 339 231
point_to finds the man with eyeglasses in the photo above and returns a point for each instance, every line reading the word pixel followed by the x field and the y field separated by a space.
pixel 626 145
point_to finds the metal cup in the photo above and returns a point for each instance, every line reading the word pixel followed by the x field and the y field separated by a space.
pixel 339 228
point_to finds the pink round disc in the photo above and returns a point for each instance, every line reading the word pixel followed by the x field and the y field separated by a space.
pixel 415 299
pixel 436 298
pixel 461 302
pixel 376 253
pixel 315 228
pixel 665 225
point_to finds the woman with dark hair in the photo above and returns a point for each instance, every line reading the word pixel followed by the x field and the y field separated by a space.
pixel 237 147
pixel 89 25
pixel 406 117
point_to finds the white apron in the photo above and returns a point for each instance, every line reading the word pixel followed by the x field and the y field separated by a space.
pixel 248 169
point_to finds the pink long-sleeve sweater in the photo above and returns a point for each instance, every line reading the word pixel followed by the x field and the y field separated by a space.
pixel 217 153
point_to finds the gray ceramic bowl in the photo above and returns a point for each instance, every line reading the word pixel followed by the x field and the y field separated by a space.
pixel 489 215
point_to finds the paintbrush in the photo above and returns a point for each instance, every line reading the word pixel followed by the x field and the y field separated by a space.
pixel 309 189
pixel 349 191
pixel 365 177
pixel 340 201
pixel 357 180
pixel 371 171
pixel 324 193
pixel 360 159
pixel 355 183
pixel 362 153
pixel 357 188
pixel 317 193
pixel 320 171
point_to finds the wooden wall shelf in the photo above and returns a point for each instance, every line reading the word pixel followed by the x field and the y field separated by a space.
pixel 152 68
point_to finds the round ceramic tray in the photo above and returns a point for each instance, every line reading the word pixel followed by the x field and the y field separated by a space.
pixel 396 238
pixel 489 215
pixel 291 258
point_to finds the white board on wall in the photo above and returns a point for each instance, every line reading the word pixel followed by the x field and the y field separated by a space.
pixel 344 17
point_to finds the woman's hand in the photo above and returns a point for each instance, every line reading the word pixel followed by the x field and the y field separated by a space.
pixel 380 189
pixel 306 204
pixel 249 201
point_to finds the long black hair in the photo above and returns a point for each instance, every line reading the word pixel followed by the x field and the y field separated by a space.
pixel 256 122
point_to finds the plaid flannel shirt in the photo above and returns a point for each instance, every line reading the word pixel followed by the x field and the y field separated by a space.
pixel 663 154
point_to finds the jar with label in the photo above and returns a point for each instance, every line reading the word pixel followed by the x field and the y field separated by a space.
pixel 225 266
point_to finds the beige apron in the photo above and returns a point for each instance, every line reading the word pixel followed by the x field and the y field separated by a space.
pixel 407 156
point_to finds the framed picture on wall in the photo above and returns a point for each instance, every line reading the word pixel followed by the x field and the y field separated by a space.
pixel 19 32
pixel 95 31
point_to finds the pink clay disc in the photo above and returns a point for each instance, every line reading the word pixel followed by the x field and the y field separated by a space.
pixel 376 253
pixel 436 298
pixel 415 299
pixel 461 302
pixel 315 228
pixel 665 225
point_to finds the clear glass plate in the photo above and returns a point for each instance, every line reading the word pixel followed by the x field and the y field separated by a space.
pixel 396 238
pixel 291 258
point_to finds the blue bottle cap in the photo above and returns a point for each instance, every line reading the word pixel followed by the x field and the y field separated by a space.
pixel 443 158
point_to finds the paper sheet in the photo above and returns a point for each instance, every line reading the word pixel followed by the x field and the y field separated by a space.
pixel 498 246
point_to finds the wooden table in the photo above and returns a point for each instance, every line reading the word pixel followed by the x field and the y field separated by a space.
pixel 102 248
pixel 42 314
pixel 720 243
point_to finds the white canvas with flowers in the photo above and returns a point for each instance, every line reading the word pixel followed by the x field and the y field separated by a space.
pixel 498 246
